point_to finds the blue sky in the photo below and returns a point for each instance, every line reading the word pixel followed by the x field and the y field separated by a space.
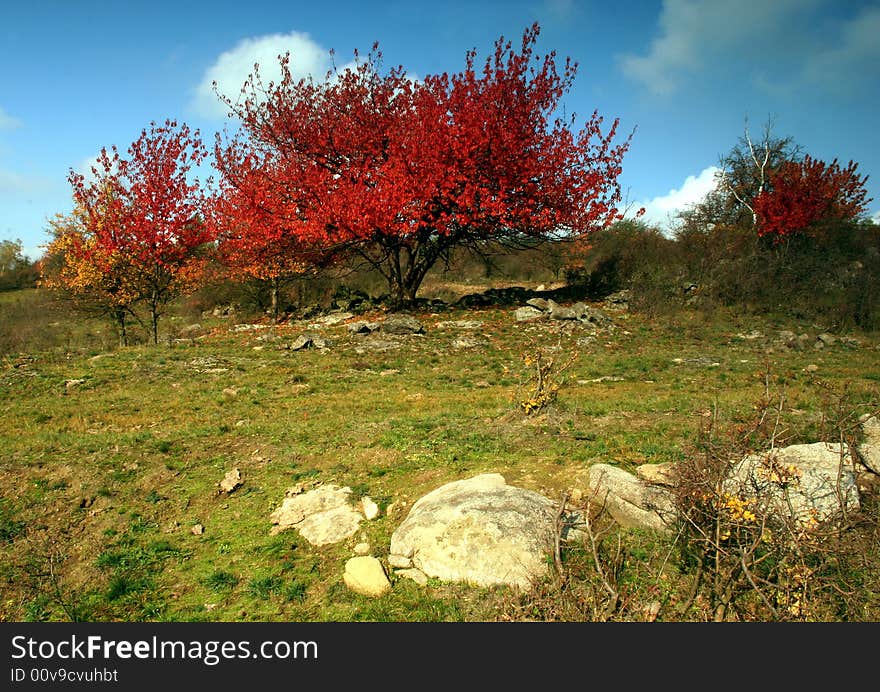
pixel 686 74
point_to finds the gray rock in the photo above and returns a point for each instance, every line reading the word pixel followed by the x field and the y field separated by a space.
pixel 364 327
pixel 370 508
pixel 869 450
pixel 468 341
pixel 804 483
pixel 362 549
pixel 538 303
pixel 632 502
pixel 334 318
pixel 307 340
pixel 480 531
pixel 231 481
pixel 365 575
pixel 827 339
pixel 402 324
pixel 399 561
pixel 321 516
pixel 416 575
pixel 560 312
pixel 527 314
pixel 658 474
pixel 460 324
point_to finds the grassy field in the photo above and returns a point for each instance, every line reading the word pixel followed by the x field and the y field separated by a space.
pixel 109 457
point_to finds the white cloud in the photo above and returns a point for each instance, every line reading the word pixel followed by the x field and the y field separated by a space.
pixel 661 211
pixel 7 122
pixel 694 36
pixel 233 67
pixel 876 217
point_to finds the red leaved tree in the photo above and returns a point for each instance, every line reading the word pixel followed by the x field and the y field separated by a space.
pixel 144 210
pixel 803 193
pixel 398 172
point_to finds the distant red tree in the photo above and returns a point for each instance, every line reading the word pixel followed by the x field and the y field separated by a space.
pixel 803 193
pixel 145 210
pixel 399 171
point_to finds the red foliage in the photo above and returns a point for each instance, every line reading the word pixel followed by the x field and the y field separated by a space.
pixel 399 170
pixel 144 211
pixel 144 206
pixel 801 194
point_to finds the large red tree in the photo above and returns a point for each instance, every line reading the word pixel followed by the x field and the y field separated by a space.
pixel 145 209
pixel 803 193
pixel 399 171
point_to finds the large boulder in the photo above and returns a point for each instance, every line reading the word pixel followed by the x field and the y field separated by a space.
pixel 869 450
pixel 480 531
pixel 807 483
pixel 402 324
pixel 631 501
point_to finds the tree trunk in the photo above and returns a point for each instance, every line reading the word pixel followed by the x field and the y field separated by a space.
pixel 121 327
pixel 274 297
pixel 154 317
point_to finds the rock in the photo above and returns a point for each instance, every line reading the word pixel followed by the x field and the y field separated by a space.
pixel 460 324
pixel 362 549
pixel 479 531
pixel 632 502
pixel 560 312
pixel 826 339
pixel 365 575
pixel 527 314
pixel 399 561
pixel 197 530
pixel 231 481
pixel 334 318
pixel 70 384
pixel 308 340
pixel 468 341
pixel 798 483
pixel 364 327
pixel 869 449
pixel 370 508
pixel 416 575
pixel 402 324
pixel 658 474
pixel 811 368
pixel 321 516
pixel 539 304
pixel 331 526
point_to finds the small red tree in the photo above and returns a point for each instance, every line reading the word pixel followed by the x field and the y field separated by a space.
pixel 802 193
pixel 145 209
pixel 398 172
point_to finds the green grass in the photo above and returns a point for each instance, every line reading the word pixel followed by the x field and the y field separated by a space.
pixel 117 470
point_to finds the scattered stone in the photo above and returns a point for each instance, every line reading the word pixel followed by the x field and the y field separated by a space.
pixel 197 530
pixel 812 367
pixel 230 392
pixel 322 515
pixel 389 372
pixel 527 314
pixel 416 575
pixel 334 318
pixel 308 340
pixel 376 345
pixel 604 378
pixel 826 339
pixel 231 481
pixel 370 508
pixel 468 341
pixel 362 549
pixel 750 336
pixel 70 384
pixel 365 575
pixel 399 561
pixel 402 324
pixel 364 327
pixel 539 304
pixel 460 324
